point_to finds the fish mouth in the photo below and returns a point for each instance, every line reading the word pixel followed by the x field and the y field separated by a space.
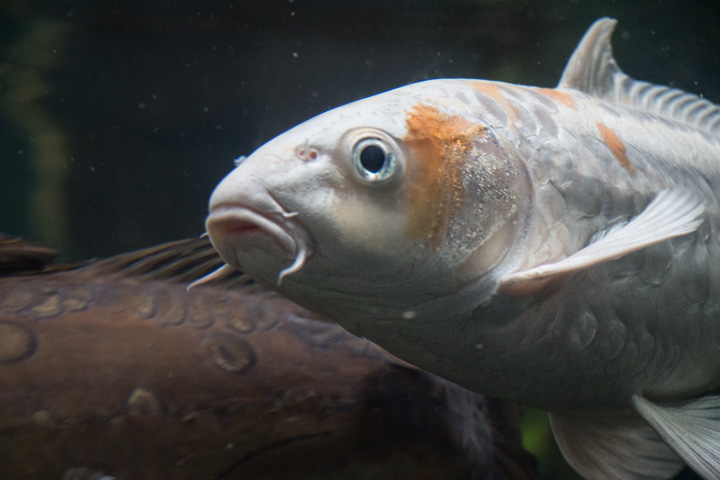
pixel 235 229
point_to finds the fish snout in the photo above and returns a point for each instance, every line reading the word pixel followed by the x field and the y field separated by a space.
pixel 253 233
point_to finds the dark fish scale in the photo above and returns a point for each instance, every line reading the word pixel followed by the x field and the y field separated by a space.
pixel 146 305
pixel 17 342
pixel 230 352
pixel 77 299
pixel 50 307
pixel 171 307
pixel 143 402
pixel 16 299
pixel 200 311
pixel 235 316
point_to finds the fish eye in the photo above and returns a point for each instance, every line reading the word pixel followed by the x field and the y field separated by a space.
pixel 375 160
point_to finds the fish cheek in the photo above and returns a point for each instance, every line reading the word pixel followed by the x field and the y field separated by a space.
pixel 371 223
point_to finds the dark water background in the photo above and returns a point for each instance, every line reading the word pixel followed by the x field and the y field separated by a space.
pixel 118 118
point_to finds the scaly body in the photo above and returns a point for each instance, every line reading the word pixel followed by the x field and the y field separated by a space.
pixel 590 165
pixel 553 247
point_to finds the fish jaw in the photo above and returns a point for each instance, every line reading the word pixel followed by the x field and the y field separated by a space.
pixel 252 231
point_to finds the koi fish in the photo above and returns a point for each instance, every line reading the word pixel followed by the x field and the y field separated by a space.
pixel 558 248
pixel 111 370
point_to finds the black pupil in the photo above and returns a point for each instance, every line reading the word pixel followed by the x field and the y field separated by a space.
pixel 372 158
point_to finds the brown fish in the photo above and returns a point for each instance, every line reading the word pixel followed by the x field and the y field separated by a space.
pixel 111 369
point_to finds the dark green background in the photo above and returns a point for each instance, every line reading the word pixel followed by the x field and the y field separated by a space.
pixel 117 119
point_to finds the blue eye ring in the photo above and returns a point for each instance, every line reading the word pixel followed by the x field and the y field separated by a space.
pixel 375 160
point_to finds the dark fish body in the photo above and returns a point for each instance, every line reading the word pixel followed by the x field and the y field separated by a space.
pixel 114 367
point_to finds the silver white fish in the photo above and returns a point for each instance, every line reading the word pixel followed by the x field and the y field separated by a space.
pixel 553 247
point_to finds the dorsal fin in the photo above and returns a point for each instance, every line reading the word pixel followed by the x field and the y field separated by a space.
pixel 18 256
pixel 181 261
pixel 592 69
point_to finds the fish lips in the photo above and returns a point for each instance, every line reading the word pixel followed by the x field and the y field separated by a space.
pixel 239 233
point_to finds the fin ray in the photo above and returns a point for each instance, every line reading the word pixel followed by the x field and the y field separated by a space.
pixel 182 261
pixel 21 256
pixel 617 445
pixel 691 428
pixel 672 213
pixel 592 69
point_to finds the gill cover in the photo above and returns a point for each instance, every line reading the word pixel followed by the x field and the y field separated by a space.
pixel 468 190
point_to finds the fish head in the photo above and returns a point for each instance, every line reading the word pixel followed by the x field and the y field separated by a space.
pixel 376 206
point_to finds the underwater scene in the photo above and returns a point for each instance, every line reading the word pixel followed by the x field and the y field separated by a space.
pixel 117 122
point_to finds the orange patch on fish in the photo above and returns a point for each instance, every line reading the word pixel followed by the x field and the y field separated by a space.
pixel 615 144
pixel 494 92
pixel 440 144
pixel 559 97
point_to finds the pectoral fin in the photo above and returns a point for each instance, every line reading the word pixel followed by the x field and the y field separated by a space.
pixel 672 213
pixel 691 428
pixel 617 445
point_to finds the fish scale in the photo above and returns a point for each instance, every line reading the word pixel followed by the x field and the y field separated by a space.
pixel 558 248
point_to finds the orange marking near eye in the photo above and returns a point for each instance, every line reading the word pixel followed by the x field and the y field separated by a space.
pixel 559 97
pixel 440 144
pixel 616 146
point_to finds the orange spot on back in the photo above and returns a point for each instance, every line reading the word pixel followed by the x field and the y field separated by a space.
pixel 440 144
pixel 493 91
pixel 616 146
pixel 559 97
